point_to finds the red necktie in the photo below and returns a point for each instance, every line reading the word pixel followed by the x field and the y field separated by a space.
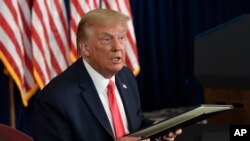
pixel 116 115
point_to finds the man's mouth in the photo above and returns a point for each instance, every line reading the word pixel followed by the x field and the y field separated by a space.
pixel 116 59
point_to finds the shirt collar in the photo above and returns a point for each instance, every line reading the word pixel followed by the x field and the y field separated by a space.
pixel 99 81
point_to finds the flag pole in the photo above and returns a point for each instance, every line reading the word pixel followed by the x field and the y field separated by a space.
pixel 100 3
pixel 12 104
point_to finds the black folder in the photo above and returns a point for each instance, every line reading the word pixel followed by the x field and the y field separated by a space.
pixel 189 117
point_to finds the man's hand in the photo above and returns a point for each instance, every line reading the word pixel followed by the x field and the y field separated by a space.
pixel 171 135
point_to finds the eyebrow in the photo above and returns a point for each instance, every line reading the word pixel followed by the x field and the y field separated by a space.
pixel 106 33
pixel 110 34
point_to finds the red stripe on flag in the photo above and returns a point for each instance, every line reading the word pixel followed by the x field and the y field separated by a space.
pixel 96 4
pixel 9 32
pixel 78 7
pixel 131 41
pixel 106 3
pixel 38 42
pixel 74 25
pixel 12 10
pixel 118 6
pixel 128 62
pixel 11 61
pixel 127 4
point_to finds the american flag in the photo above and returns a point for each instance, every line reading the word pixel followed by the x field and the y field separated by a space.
pixel 37 42
pixel 15 45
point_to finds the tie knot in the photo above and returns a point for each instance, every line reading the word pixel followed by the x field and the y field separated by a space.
pixel 111 85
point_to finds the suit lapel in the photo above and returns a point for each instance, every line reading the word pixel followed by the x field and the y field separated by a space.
pixel 127 97
pixel 91 97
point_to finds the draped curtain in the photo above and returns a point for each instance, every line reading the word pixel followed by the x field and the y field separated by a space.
pixel 165 31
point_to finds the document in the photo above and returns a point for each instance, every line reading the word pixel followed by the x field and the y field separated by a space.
pixel 182 120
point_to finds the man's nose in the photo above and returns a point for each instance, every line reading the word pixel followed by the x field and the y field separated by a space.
pixel 117 45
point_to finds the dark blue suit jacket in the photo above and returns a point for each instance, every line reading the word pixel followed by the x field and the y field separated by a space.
pixel 69 108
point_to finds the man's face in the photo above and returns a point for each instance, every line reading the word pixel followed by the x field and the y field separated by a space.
pixel 105 48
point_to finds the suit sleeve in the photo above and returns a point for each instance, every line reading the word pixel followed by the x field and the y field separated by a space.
pixel 49 122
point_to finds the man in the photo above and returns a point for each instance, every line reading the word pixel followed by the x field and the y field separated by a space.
pixel 77 105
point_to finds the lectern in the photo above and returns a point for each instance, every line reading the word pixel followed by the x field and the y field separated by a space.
pixel 222 65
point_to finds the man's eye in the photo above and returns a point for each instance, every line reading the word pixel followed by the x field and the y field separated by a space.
pixel 122 38
pixel 106 39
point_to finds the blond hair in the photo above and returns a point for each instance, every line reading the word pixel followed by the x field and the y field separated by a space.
pixel 97 17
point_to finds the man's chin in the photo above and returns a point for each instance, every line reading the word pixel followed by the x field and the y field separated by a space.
pixel 117 69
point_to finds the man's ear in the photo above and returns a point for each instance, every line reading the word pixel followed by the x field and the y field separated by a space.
pixel 84 48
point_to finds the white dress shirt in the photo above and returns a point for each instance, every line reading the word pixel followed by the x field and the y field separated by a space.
pixel 101 84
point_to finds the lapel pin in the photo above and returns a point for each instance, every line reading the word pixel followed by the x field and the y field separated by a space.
pixel 124 86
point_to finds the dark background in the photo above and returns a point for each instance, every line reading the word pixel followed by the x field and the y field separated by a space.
pixel 165 33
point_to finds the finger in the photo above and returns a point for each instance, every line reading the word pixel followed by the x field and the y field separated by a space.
pixel 178 131
pixel 170 134
pixel 165 138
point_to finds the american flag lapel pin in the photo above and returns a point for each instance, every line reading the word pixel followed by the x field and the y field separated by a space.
pixel 124 86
